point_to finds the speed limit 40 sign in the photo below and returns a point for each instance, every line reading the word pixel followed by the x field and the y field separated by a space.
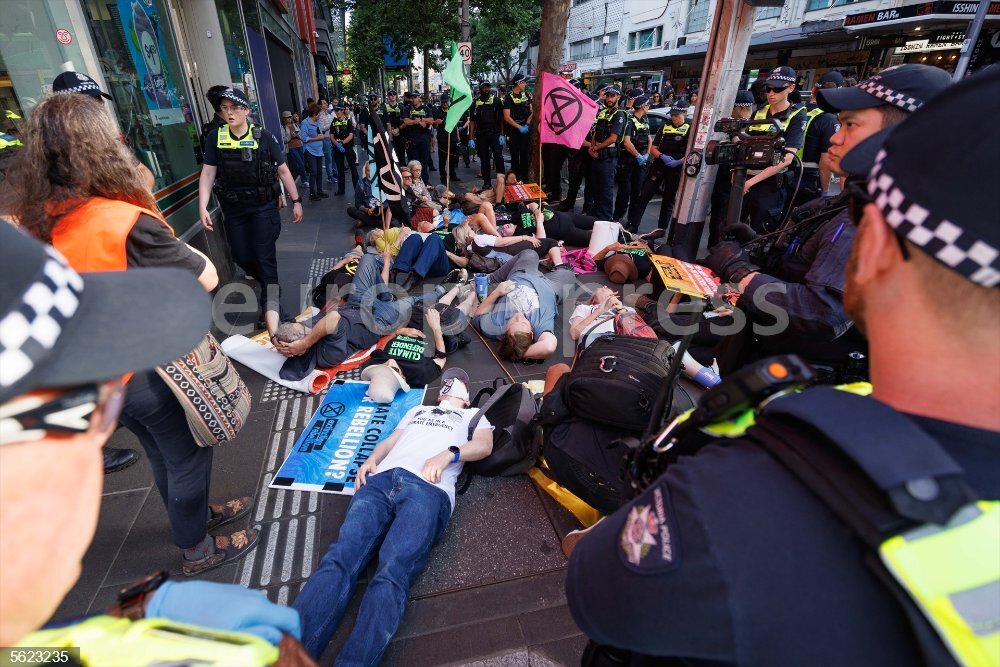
pixel 465 50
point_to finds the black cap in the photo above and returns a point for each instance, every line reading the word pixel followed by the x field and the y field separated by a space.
pixel 373 96
pixel 744 98
pixel 339 107
pixel 834 77
pixel 61 329
pixel 77 82
pixel 236 95
pixel 636 92
pixel 905 86
pixel 518 78
pixel 391 92
pixel 612 90
pixel 487 84
pixel 639 101
pixel 781 76
pixel 948 213
pixel 575 82
pixel 678 111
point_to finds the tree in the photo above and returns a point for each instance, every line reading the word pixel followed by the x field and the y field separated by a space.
pixel 499 27
pixel 555 17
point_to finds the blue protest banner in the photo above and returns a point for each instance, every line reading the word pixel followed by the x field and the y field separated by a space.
pixel 340 437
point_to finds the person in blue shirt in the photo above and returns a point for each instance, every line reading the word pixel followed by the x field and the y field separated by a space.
pixel 313 138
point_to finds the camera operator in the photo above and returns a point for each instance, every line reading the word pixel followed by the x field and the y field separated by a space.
pixel 807 260
pixel 765 194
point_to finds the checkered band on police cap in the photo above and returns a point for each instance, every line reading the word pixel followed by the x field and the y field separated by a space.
pixel 30 330
pixel 874 88
pixel 783 73
pixel 943 239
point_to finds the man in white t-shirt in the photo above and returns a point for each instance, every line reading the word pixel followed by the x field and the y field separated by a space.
pixel 595 318
pixel 405 500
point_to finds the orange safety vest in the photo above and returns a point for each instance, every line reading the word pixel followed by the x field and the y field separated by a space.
pixel 92 236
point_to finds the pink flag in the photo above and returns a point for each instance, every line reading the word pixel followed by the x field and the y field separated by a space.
pixel 567 114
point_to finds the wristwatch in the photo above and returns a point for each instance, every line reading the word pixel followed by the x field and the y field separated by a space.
pixel 132 598
pixel 456 451
pixel 297 201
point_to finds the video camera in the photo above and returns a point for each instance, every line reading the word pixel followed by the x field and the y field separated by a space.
pixel 744 150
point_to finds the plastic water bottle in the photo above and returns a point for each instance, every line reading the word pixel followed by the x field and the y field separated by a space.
pixel 482 286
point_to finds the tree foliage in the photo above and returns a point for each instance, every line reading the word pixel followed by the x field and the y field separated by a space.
pixel 499 28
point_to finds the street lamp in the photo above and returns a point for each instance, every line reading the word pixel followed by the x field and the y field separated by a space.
pixel 604 39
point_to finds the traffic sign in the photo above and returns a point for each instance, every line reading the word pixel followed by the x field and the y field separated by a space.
pixel 465 50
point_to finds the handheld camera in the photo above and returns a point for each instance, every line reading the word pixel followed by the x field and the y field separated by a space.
pixel 745 148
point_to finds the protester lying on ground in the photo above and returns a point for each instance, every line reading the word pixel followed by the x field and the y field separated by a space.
pixel 421 256
pixel 333 283
pixel 59 404
pixel 521 309
pixel 103 218
pixel 406 494
pixel 391 239
pixel 625 263
pixel 572 228
pixel 604 313
pixel 504 245
pixel 349 327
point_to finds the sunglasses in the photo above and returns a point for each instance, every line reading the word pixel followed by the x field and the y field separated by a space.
pixel 44 413
pixel 775 89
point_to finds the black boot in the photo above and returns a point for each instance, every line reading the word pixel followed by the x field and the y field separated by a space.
pixel 118 459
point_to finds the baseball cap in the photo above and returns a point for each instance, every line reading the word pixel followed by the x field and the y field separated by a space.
pixel 518 78
pixel 945 212
pixel 782 76
pixel 744 98
pixel 286 114
pixel 383 382
pixel 77 82
pixel 833 77
pixel 903 86
pixel 621 269
pixel 639 101
pixel 235 95
pixel 62 329
pixel 454 383
pixel 612 90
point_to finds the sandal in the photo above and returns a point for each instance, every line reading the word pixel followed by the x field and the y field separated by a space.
pixel 223 513
pixel 228 548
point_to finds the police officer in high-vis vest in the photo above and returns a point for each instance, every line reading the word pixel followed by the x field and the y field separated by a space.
pixel 243 163
pixel 604 143
pixel 766 199
pixel 342 135
pixel 631 163
pixel 517 123
pixel 827 527
pixel 665 166
pixel 60 398
pixel 820 127
pixel 486 131
pixel 417 121
pixel 391 114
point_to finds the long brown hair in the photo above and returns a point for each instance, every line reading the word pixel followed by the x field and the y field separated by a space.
pixel 72 152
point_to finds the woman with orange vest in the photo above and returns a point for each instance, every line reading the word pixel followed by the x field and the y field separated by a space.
pixel 72 186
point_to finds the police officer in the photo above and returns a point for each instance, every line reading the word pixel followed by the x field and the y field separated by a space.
pixel 820 127
pixel 365 115
pixel 553 158
pixel 213 97
pixel 485 132
pixel 517 121
pixel 729 557
pixel 391 115
pixel 447 142
pixel 342 136
pixel 723 187
pixel 765 189
pixel 416 128
pixel 243 163
pixel 579 164
pixel 666 164
pixel 608 130
pixel 631 162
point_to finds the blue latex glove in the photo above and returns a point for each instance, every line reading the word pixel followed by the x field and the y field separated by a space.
pixel 224 607
pixel 340 147
pixel 472 144
pixel 501 139
pixel 666 159
pixel 642 159
pixel 524 129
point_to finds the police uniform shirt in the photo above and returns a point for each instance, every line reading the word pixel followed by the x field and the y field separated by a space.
pixel 267 143
pixel 628 130
pixel 795 128
pixel 817 137
pixel 442 134
pixel 519 111
pixel 341 131
pixel 729 558
pixel 617 123
pixel 487 116
pixel 674 144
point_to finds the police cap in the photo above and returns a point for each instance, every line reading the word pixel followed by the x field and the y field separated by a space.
pixel 639 101
pixel 744 98
pixel 781 76
pixel 485 84
pixel 373 96
pixel 942 211
pixel 518 78
pixel 612 90
pixel 339 107
pixel 832 79
pixel 635 92
pixel 903 86
pixel 236 95
pixel 77 82
pixel 391 92
pixel 678 111
pixel 575 82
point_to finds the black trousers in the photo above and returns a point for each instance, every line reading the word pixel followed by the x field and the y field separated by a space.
pixel 579 171
pixel 365 219
pixel 399 147
pixel 443 161
pixel 252 231
pixel 602 174
pixel 489 149
pixel 350 157
pixel 553 158
pixel 181 469
pixel 573 228
pixel 520 154
pixel 764 204
pixel 629 182
pixel 419 149
pixel 721 193
pixel 667 178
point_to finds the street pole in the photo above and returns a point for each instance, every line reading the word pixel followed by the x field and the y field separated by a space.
pixel 971 37
pixel 728 44
pixel 465 20
pixel 604 36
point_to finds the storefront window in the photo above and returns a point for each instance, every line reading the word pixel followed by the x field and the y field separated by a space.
pixel 145 78
pixel 237 56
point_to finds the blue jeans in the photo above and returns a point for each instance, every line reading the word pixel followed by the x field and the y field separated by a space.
pixel 426 257
pixel 331 168
pixel 382 311
pixel 296 162
pixel 407 515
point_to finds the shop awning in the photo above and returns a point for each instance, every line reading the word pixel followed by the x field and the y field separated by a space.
pixel 939 10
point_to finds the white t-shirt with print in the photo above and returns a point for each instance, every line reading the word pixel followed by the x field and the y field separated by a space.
pixel 602 324
pixel 429 430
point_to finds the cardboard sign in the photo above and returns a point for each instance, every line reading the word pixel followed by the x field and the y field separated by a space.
pixel 684 277
pixel 523 192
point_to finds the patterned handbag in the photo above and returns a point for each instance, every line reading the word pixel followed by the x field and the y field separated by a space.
pixel 211 391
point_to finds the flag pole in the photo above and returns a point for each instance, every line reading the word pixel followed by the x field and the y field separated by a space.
pixel 447 176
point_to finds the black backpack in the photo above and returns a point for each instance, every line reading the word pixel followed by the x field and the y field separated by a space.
pixel 511 409
pixel 616 380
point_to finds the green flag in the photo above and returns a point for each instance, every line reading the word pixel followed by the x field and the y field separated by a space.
pixel 459 93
